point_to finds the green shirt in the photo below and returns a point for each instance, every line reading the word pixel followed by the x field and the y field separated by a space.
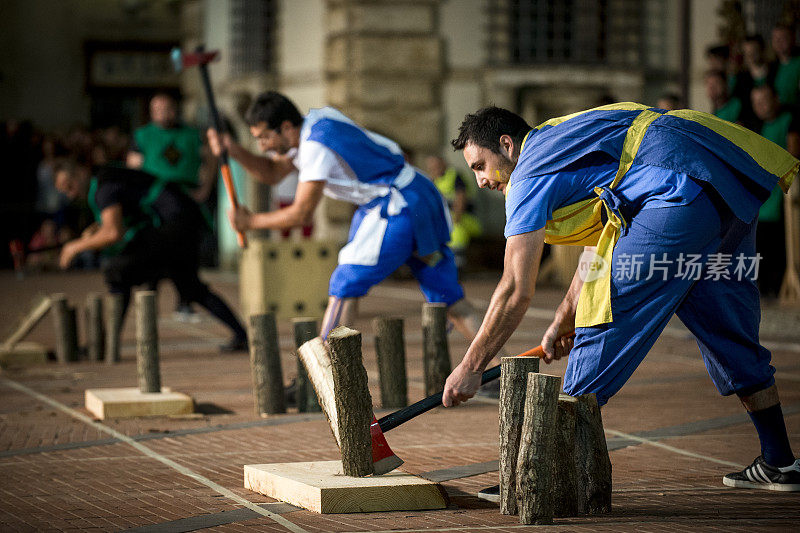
pixel 776 131
pixel 730 111
pixel 171 155
pixel 787 81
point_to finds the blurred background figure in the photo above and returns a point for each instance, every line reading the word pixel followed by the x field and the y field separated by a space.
pixel 670 102
pixel 780 126
pixel 723 105
pixel 173 153
pixel 787 69
pixel 459 194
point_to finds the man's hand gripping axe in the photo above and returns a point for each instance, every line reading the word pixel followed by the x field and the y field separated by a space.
pixel 200 58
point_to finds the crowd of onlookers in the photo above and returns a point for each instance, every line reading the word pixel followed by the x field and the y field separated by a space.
pixel 757 85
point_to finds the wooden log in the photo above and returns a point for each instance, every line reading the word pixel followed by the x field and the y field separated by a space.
pixel 64 326
pixel 513 386
pixel 112 306
pixel 305 329
pixel 593 465
pixel 564 467
pixel 72 333
pixel 537 450
pixel 316 359
pixel 265 365
pixel 95 341
pixel 147 342
pixel 436 354
pixel 39 307
pixel 391 354
pixel 353 401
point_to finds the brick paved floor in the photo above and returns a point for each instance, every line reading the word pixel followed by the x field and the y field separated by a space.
pixel 59 472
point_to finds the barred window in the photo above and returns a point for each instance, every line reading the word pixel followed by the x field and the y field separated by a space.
pixel 252 28
pixel 605 32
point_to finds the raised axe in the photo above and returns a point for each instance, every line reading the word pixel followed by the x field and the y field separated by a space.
pixel 316 359
pixel 201 58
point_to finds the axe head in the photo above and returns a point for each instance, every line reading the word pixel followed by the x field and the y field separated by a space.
pixel 182 60
pixel 316 359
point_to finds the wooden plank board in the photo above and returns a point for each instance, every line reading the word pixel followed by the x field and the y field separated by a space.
pixel 38 309
pixel 321 487
pixel 130 402
pixel 23 353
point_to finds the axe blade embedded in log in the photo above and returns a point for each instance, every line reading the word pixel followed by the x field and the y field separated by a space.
pixel 201 58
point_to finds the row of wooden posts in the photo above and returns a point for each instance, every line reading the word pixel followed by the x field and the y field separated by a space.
pixel 553 453
pixel 103 321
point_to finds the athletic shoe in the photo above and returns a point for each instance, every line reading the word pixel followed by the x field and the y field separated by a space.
pixel 187 315
pixel 760 475
pixel 490 494
pixel 236 344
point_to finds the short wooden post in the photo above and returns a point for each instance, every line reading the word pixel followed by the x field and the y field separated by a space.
pixel 353 401
pixel 265 364
pixel 305 329
pixel 564 467
pixel 64 326
pixel 147 342
pixel 391 353
pixel 113 326
pixel 513 386
pixel 72 333
pixel 537 451
pixel 436 355
pixel 94 326
pixel 591 456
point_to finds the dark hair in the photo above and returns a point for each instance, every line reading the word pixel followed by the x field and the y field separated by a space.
pixel 718 50
pixel 754 38
pixel 715 73
pixel 765 86
pixel 485 127
pixel 273 108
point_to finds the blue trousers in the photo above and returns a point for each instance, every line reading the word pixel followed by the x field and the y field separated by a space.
pixel 664 243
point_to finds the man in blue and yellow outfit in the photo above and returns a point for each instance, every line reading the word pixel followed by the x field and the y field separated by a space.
pixel 665 203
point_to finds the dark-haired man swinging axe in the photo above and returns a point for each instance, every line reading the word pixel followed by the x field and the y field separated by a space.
pixel 678 192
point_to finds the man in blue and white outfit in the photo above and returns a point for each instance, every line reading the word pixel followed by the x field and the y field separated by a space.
pixel 401 218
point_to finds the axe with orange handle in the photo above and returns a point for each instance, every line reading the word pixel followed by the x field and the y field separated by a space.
pixel 200 58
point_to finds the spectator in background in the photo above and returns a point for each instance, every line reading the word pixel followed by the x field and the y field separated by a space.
pixel 173 153
pixel 669 101
pixel 459 196
pixel 780 127
pixel 756 70
pixel 723 105
pixel 787 74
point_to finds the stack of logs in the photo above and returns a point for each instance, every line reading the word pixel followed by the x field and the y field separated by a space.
pixel 102 329
pixel 553 454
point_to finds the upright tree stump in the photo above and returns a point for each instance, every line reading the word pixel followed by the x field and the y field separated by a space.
pixel 265 364
pixel 391 354
pixel 593 465
pixel 95 341
pixel 513 385
pixel 305 329
pixel 566 459
pixel 113 326
pixel 147 342
pixel 64 326
pixel 353 401
pixel 537 450
pixel 436 354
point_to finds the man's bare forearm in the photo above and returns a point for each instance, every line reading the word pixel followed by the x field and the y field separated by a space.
pixel 260 167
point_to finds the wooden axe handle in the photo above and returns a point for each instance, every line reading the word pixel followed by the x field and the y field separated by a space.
pixel 392 420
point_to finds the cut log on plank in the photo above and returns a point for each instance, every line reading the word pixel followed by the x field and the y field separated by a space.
pixel 314 355
pixel 513 386
pixel 591 455
pixel 39 307
pixel 353 401
pixel 147 362
pixel 64 326
pixel 391 354
pixel 537 450
pixel 565 499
